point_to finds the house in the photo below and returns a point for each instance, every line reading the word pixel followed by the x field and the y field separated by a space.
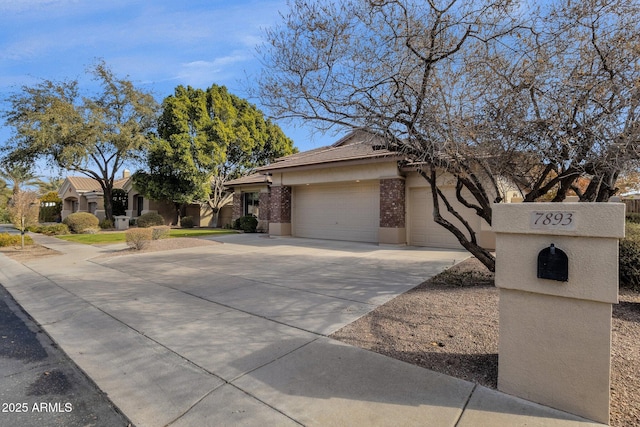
pixel 353 190
pixel 83 194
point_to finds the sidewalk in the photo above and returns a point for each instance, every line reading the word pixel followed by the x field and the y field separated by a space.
pixel 177 344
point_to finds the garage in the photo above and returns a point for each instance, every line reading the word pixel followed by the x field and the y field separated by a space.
pixel 347 211
pixel 423 230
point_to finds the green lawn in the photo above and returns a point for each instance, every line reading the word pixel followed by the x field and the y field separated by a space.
pixel 115 237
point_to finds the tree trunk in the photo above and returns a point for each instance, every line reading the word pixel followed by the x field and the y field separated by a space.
pixel 216 216
pixel 178 208
pixel 108 202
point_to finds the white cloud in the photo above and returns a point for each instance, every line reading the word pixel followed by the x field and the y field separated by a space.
pixel 204 73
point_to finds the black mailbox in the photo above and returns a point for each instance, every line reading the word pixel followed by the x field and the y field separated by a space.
pixel 553 264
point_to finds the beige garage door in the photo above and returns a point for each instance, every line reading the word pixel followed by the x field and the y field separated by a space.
pixel 423 230
pixel 337 212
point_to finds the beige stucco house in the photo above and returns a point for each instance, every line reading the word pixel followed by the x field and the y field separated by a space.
pixel 353 190
pixel 83 194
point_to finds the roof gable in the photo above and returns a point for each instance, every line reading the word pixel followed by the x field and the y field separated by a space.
pixel 83 184
pixel 357 145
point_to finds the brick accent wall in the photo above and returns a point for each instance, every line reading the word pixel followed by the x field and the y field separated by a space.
pixel 237 206
pixel 264 207
pixel 280 204
pixel 392 203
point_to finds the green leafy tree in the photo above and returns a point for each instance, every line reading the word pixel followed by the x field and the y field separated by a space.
pixel 93 135
pixel 206 137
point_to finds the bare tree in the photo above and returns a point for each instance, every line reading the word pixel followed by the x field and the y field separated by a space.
pixel 489 92
pixel 23 210
pixel 220 195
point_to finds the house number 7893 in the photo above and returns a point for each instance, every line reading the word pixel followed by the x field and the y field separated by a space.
pixel 553 220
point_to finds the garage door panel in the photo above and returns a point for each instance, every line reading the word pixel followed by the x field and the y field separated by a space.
pixel 337 212
pixel 424 231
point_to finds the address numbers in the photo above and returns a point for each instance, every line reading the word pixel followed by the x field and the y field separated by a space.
pixel 553 220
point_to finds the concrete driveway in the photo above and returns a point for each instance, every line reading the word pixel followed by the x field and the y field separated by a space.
pixel 235 334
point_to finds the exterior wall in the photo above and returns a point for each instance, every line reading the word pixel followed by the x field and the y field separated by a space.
pixel 415 182
pixel 264 211
pixel 370 171
pixel 224 216
pixel 237 205
pixel 83 205
pixel 280 210
pixel 166 209
pixel 392 203
pixel 194 212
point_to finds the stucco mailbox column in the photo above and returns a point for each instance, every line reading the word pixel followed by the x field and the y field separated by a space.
pixel 121 222
pixel 555 335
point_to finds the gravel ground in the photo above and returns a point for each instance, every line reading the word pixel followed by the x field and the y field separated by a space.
pixel 449 324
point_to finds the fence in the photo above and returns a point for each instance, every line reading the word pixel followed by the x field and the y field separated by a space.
pixel 633 205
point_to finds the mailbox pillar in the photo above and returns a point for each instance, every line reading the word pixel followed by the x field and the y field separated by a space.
pixel 555 335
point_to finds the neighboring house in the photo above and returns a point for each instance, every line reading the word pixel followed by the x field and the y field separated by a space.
pixel 81 194
pixel 353 190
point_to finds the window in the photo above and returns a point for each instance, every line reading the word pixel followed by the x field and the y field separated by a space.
pixel 251 201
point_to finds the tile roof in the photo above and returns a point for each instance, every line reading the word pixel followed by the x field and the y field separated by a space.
pixel 356 146
pixel 254 178
pixel 86 184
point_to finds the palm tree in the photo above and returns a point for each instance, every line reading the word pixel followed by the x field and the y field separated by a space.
pixel 19 176
pixel 51 185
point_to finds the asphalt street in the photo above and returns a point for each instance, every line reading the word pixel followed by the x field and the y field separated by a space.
pixel 40 385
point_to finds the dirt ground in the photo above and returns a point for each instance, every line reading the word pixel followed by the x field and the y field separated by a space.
pixel 449 324
pixel 29 252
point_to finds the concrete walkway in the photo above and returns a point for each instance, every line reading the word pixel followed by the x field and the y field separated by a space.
pixel 236 334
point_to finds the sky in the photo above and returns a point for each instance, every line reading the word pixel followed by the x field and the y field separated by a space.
pixel 157 44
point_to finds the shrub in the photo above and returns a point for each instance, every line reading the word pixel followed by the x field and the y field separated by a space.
pixel 247 223
pixel 187 222
pixel 50 207
pixel 629 258
pixel 633 217
pixel 138 238
pixel 53 230
pixel 160 232
pixel 7 239
pixel 149 220
pixel 106 224
pixel 80 221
